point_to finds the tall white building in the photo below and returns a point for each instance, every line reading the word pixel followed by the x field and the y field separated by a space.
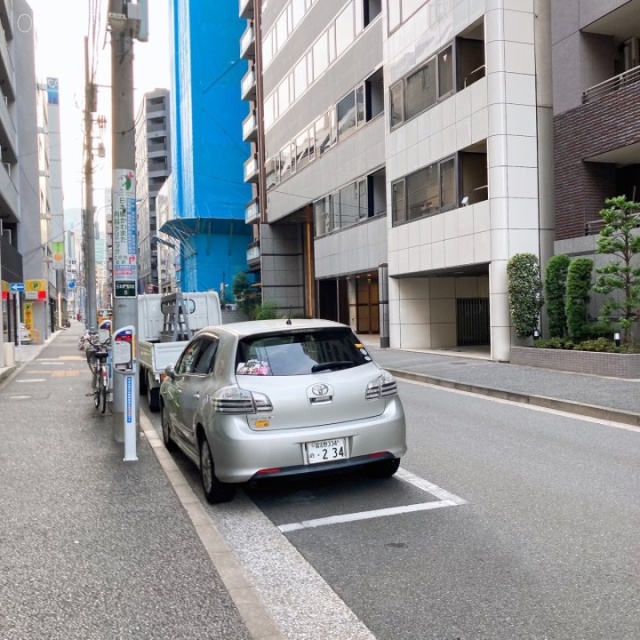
pixel 401 156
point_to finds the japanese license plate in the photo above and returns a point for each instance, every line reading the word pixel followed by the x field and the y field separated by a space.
pixel 326 450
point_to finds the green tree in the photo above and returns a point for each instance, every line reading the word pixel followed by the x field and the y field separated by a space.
pixel 579 276
pixel 524 287
pixel 244 293
pixel 620 240
pixel 555 286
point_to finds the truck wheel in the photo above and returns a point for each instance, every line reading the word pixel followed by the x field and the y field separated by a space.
pixel 153 396
pixel 143 382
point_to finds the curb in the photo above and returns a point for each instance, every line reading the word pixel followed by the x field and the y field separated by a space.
pixel 569 406
pixel 252 610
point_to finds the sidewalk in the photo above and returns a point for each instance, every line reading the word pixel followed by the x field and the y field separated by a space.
pixel 92 547
pixel 595 396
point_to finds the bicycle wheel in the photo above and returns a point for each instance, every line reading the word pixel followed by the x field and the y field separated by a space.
pixel 103 396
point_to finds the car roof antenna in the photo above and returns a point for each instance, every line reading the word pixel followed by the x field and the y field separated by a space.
pixel 289 318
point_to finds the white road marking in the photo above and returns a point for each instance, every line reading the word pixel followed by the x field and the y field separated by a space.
pixel 446 499
pixel 531 407
pixel 365 515
pixel 20 397
pixel 429 487
pixel 31 380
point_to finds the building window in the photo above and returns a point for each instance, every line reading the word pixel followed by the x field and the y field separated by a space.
pixel 345 29
pixel 438 78
pixel 445 72
pixel 322 211
pixel 425 192
pixel 398 202
pixel 420 90
pixel 397 104
pixel 346 109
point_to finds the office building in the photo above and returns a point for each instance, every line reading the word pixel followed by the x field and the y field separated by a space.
pixel 153 166
pixel 401 155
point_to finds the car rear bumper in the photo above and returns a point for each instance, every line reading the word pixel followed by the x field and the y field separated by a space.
pixel 241 454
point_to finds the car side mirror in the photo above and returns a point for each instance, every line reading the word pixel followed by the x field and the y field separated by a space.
pixel 170 371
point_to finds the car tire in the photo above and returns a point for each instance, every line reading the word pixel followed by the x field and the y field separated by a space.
pixel 214 491
pixel 383 468
pixel 166 430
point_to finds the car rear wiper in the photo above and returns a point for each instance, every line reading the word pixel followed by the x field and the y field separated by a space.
pixel 335 364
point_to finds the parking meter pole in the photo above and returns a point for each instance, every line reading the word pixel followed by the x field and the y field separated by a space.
pixel 123 202
pixel 123 362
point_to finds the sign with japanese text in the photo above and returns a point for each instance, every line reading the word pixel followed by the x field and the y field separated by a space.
pixel 125 235
pixel 35 289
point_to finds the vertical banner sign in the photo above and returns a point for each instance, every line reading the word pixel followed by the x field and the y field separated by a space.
pixel 28 315
pixel 57 251
pixel 125 236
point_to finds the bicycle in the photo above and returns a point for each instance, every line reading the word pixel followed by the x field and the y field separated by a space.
pixel 98 360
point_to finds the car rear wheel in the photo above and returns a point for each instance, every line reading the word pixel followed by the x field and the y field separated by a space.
pixel 166 430
pixel 214 490
pixel 383 468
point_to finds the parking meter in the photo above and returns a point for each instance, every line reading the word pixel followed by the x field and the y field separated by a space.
pixel 104 331
pixel 123 347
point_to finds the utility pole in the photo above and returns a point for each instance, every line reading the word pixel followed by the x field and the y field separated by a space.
pixel 126 413
pixel 88 230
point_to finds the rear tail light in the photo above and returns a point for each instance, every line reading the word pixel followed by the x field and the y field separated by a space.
pixel 237 400
pixel 383 386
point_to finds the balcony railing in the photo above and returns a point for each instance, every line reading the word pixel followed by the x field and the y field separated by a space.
pixel 246 9
pixel 253 251
pixel 252 212
pixel 249 127
pixel 251 170
pixel 248 85
pixel 612 84
pixel 248 42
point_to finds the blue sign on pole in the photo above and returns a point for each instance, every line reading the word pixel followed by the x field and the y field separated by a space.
pixel 16 286
pixel 71 284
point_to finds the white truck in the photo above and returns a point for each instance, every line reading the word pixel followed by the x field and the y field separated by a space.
pixel 166 323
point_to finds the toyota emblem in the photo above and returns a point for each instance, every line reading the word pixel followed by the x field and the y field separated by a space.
pixel 320 389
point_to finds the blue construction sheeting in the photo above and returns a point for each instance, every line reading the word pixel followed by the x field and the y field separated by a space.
pixel 208 152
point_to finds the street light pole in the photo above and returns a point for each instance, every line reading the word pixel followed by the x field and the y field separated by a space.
pixel 126 414
pixel 88 229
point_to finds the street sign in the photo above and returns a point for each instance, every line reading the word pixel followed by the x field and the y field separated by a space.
pixel 71 284
pixel 16 286
pixel 125 289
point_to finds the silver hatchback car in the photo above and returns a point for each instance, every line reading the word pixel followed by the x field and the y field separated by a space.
pixel 261 399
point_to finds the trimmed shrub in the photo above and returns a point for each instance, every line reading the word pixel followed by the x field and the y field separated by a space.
pixel 525 293
pixel 602 345
pixel 578 297
pixel 554 343
pixel 555 285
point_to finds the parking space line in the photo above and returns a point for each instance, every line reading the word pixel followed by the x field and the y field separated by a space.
pixel 365 515
pixel 445 499
pixel 429 487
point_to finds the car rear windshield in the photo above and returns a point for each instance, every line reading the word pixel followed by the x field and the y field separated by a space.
pixel 299 353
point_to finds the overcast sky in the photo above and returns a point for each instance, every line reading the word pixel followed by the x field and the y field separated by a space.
pixel 60 54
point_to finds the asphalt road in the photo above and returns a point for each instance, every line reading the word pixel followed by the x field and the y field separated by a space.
pixel 505 523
